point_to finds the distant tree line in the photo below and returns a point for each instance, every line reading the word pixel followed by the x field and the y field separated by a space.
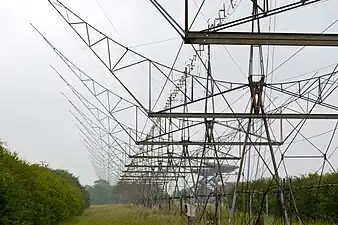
pixel 33 194
pixel 313 196
pixel 102 193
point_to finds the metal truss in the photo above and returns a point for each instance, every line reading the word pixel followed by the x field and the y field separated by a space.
pixel 194 155
pixel 153 67
pixel 264 10
pixel 212 36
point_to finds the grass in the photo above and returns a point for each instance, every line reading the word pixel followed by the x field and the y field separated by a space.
pixel 132 215
pixel 124 215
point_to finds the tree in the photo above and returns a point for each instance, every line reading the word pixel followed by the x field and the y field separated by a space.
pixel 34 194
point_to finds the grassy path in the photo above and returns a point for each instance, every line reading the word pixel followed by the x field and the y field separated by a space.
pixel 124 215
pixel 131 215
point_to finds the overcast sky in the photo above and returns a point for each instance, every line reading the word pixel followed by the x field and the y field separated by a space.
pixel 34 117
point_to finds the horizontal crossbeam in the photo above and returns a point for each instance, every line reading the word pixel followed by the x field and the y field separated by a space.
pixel 248 38
pixel 150 177
pixel 179 157
pixel 303 156
pixel 240 143
pixel 157 172
pixel 245 115
pixel 147 182
pixel 164 167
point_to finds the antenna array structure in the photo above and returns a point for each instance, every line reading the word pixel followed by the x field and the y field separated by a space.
pixel 200 149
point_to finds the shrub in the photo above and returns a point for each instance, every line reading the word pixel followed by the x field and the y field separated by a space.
pixel 35 194
pixel 316 197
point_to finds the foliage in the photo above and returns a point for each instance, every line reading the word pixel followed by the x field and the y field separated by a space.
pixel 102 193
pixel 315 196
pixel 74 181
pixel 125 215
pixel 35 194
pixel 131 215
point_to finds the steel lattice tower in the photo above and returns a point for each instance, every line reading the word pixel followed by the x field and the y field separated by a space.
pixel 166 161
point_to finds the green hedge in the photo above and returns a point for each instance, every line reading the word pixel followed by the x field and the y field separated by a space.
pixel 316 197
pixel 35 194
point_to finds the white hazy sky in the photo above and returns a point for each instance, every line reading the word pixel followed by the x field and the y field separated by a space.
pixel 34 117
pixel 35 120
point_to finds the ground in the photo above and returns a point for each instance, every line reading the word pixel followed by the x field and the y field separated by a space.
pixel 132 215
pixel 124 215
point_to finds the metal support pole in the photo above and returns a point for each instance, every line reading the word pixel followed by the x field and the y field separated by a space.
pixel 186 27
pixel 290 197
pixel 233 206
pixel 218 207
pixel 267 209
pixel 250 208
pixel 189 220
pixel 274 163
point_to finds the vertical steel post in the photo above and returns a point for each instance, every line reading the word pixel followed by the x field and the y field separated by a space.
pixel 186 27
pixel 189 220
pixel 149 108
pixel 218 207
pixel 250 208
pixel 267 209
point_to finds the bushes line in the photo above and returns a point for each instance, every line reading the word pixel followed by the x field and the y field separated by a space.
pixel 32 194
pixel 316 196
